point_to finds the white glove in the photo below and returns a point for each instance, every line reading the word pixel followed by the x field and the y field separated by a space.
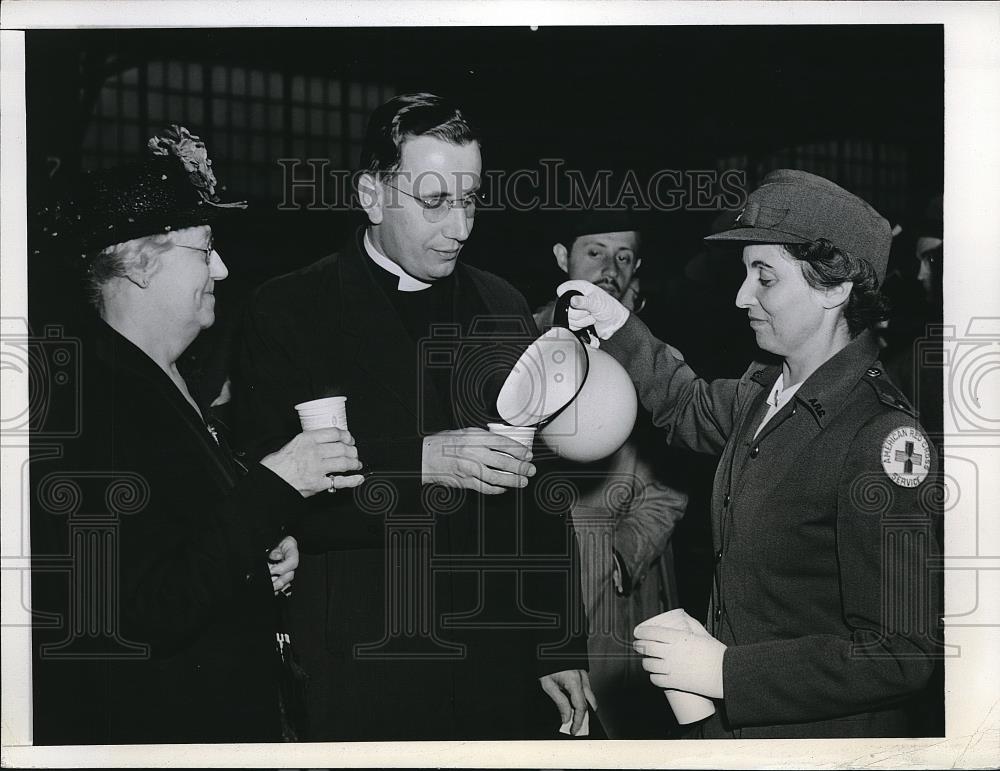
pixel 595 309
pixel 681 660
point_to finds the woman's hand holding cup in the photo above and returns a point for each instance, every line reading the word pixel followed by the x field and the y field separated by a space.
pixel 317 461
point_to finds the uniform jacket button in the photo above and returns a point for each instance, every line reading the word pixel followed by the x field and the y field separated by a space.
pixel 718 613
pixel 725 500
pixel 248 577
pixel 718 556
pixel 755 452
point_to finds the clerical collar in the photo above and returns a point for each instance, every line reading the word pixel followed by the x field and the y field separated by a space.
pixel 407 283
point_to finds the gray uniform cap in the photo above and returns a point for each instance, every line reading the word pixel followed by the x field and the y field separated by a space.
pixel 796 207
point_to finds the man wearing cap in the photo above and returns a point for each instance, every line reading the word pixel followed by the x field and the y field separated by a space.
pixel 435 603
pixel 823 618
pixel 623 515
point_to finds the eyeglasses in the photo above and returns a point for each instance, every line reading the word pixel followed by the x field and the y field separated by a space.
pixel 436 209
pixel 206 250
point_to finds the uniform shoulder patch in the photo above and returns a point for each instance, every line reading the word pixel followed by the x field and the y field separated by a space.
pixel 906 456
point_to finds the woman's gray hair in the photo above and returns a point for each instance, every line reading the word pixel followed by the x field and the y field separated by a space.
pixel 117 260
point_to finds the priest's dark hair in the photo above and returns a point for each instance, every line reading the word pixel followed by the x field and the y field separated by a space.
pixel 411 115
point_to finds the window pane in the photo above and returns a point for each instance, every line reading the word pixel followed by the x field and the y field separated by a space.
pixel 256 83
pixel 275 87
pixel 131 141
pixel 194 77
pixel 333 123
pixel 333 93
pixel 238 81
pixel 175 76
pixel 154 106
pixel 372 99
pixel 298 88
pixel 276 117
pixel 239 147
pixel 355 95
pixel 356 125
pixel 220 112
pixel 131 77
pixel 219 79
pixel 316 122
pixel 91 139
pixel 298 120
pixel 257 149
pixel 195 110
pixel 238 115
pixel 316 90
pixel 355 154
pixel 109 136
pixel 108 105
pixel 175 109
pixel 317 147
pixel 130 104
pixel 257 115
pixel 154 74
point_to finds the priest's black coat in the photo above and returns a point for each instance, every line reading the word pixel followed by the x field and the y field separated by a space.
pixel 421 612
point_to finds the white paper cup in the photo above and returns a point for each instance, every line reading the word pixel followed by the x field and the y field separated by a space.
pixel 522 434
pixel 687 707
pixel 330 412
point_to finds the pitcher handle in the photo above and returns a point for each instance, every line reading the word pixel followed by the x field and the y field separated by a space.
pixel 560 317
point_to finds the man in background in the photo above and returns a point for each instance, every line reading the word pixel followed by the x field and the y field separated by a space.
pixel 624 515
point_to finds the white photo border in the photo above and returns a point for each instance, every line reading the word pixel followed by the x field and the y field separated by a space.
pixel 972 308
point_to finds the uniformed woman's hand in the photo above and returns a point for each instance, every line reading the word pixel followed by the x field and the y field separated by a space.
pixel 681 660
pixel 595 309
pixel 314 460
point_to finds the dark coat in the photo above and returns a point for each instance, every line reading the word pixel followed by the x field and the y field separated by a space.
pixel 418 610
pixel 168 541
pixel 823 587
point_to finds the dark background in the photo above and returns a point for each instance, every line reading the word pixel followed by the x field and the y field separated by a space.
pixel 618 98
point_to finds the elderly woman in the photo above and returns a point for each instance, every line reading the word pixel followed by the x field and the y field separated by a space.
pixel 187 653
pixel 822 620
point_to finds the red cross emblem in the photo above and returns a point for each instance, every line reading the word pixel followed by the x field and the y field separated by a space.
pixel 908 446
pixel 907 457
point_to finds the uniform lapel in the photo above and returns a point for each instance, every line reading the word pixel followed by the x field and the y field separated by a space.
pixel 765 460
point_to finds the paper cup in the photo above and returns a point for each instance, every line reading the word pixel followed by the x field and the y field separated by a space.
pixel 330 412
pixel 521 434
pixel 687 707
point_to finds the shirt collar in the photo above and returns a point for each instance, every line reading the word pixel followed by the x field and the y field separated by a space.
pixel 825 390
pixel 407 283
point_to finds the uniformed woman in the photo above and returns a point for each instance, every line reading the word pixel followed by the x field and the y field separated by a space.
pixel 823 617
